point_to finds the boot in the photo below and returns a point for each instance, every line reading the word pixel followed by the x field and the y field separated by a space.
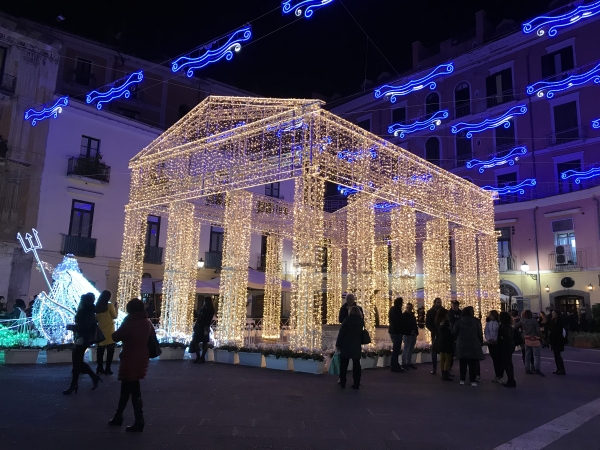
pixel 117 419
pixel 445 376
pixel 72 387
pixel 100 360
pixel 110 353
pixel 138 411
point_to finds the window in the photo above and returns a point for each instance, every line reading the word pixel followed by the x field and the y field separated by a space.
pixel 90 147
pixel 365 124
pixel 432 104
pixel 272 190
pixel 82 215
pixel 183 110
pixel 83 71
pixel 499 88
pixel 504 250
pixel 505 138
pixel 216 239
pixel 566 124
pixel 132 114
pixel 464 151
pixel 399 115
pixel 567 185
pixel 432 151
pixel 507 179
pixel 462 100
pixel 152 231
pixel 557 63
pixel 567 238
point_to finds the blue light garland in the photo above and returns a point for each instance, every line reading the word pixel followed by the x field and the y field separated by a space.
pixel 580 175
pixel 308 5
pixel 550 87
pixel 564 20
pixel 123 89
pixel 285 127
pixel 510 158
pixel 596 123
pixel 414 85
pixel 487 124
pixel 50 111
pixel 226 50
pixel 517 188
pixel 403 129
pixel 356 155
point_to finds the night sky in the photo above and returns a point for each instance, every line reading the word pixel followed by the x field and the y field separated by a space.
pixel 326 54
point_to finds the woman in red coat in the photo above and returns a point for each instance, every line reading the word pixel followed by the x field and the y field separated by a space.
pixel 135 331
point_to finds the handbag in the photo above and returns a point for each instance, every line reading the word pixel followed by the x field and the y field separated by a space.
pixel 532 341
pixel 365 338
pixel 154 349
pixel 98 335
pixel 334 365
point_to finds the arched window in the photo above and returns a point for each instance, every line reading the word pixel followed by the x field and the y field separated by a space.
pixel 183 110
pixel 462 100
pixel 432 151
pixel 432 104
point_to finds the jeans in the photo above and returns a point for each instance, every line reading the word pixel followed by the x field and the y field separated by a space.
pixel 496 355
pixel 396 348
pixel 355 370
pixel 409 346
pixel 472 364
pixel 532 354
pixel 560 364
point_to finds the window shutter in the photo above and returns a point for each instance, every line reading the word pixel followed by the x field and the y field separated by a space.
pixel 562 225
pixel 566 59
pixel 548 66
pixel 506 80
pixel 399 115
pixel 490 86
pixel 565 117
pixel 432 151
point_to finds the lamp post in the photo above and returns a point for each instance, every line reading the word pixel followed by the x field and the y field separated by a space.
pixel 525 267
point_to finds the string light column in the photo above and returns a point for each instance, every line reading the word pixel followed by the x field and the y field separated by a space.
pixel 489 277
pixel 334 283
pixel 436 263
pixel 465 245
pixel 382 283
pixel 272 303
pixel 404 252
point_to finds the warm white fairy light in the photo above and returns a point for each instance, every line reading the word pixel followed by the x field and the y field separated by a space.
pixel 334 283
pixel 436 263
pixel 382 283
pixel 489 278
pixel 272 301
pixel 404 253
pixel 465 246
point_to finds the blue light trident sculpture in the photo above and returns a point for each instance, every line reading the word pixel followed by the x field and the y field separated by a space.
pixel 33 248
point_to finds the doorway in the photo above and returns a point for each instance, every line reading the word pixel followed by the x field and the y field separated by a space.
pixel 569 303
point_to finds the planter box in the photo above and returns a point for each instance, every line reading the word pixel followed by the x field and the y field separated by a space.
pixel 226 357
pixel 368 363
pixel 251 359
pixel 384 361
pixel 21 356
pixel 92 354
pixel 279 364
pixel 169 353
pixel 58 357
pixel 582 344
pixel 309 366
pixel 210 355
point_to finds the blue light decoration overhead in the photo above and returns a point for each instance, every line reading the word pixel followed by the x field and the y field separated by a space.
pixel 392 92
pixel 580 175
pixel 401 129
pixel 123 88
pixel 356 155
pixel 354 189
pixel 510 158
pixel 307 5
pixel 290 125
pixel 488 124
pixel 548 88
pixel 550 24
pixel 225 50
pixel 50 111
pixel 596 123
pixel 517 188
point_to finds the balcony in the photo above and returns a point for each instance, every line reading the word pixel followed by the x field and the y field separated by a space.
pixel 462 110
pixel 153 255
pixel 570 261
pixel 78 246
pixel 213 260
pixel 88 168
pixel 506 264
pixel 498 99
pixel 8 83
pixel 560 137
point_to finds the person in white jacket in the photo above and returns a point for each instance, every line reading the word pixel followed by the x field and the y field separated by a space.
pixel 491 337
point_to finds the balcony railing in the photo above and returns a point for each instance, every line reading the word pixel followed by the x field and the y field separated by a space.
pixel 89 168
pixel 569 261
pixel 498 99
pixel 8 83
pixel 78 246
pixel 462 110
pixel 213 260
pixel 153 255
pixel 560 137
pixel 506 264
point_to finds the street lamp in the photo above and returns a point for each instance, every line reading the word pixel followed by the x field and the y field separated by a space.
pixel 200 263
pixel 524 267
pixel 547 288
pixel 590 287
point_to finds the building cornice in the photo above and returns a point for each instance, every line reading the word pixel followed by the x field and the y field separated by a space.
pixel 549 201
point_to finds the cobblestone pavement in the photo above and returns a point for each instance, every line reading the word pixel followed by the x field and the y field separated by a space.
pixel 217 406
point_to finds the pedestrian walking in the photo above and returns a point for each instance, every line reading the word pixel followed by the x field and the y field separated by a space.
pixel 105 315
pixel 432 327
pixel 469 338
pixel 557 342
pixel 349 345
pixel 444 341
pixel 506 344
pixel 395 331
pixel 409 332
pixel 135 332
pixel 346 307
pixel 532 339
pixel 491 337
pixel 201 334
pixel 84 330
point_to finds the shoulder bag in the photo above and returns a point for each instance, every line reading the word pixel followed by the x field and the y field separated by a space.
pixel 154 349
pixel 365 338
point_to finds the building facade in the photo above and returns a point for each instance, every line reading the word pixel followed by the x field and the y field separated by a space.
pixel 503 113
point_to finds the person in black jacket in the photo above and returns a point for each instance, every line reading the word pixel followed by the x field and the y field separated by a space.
pixel 349 345
pixel 432 327
pixel 444 341
pixel 202 329
pixel 409 332
pixel 557 342
pixel 345 309
pixel 394 329
pixel 506 346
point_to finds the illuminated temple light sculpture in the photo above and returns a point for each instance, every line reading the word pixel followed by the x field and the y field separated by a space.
pixel 392 92
pixel 297 6
pixel 436 263
pixel 381 282
pixel 334 283
pixel 596 124
pixel 489 277
pixel 123 89
pixel 551 24
pixel 580 175
pixel 467 282
pixel 517 188
pixel 488 124
pixel 272 300
pixel 510 158
pixel 48 111
pixel 402 129
pixel 549 88
pixel 404 253
pixel 224 50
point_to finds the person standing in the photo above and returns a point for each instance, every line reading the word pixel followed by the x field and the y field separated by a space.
pixel 349 345
pixel 409 331
pixel 202 329
pixel 454 314
pixel 84 330
pixel 469 338
pixel 432 327
pixel 506 344
pixel 444 341
pixel 346 307
pixel 543 323
pixel 532 337
pixel 395 331
pixel 491 337
pixel 135 332
pixel 105 315
pixel 557 342
pixel 518 336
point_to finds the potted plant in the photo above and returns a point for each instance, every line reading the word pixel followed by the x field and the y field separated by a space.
pixel 171 350
pixel 424 353
pixel 368 359
pixel 227 354
pixel 59 353
pixel 278 357
pixel 384 356
pixel 251 356
pixel 584 340
pixel 308 361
